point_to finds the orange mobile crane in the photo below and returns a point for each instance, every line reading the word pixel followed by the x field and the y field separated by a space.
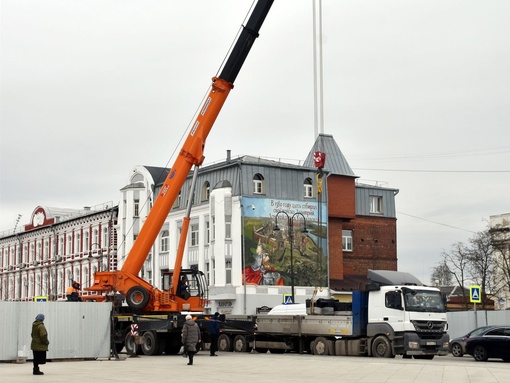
pixel 139 294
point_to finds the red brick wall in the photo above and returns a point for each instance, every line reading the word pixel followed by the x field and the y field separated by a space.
pixel 341 197
pixel 374 246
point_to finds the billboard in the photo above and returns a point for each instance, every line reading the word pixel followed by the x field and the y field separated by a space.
pixel 277 246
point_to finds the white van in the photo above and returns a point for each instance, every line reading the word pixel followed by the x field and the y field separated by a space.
pixel 289 309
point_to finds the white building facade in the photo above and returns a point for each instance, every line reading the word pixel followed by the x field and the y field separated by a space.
pixel 500 230
pixel 39 260
pixel 230 236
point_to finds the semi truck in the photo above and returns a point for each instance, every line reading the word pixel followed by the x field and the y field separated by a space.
pixel 395 314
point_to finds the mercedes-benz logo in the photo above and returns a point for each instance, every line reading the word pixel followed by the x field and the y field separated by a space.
pixel 430 325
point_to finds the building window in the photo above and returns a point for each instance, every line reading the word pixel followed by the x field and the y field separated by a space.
pixel 347 240
pixel 308 188
pixel 258 184
pixel 228 272
pixel 194 235
pixel 96 237
pixel 213 229
pixel 46 250
pixel 69 245
pixel 206 189
pixel 376 204
pixel 78 242
pixel 228 227
pixel 164 240
pixel 105 237
pixel 86 241
pixel 177 202
pixel 61 246
pixel 207 233
pixel 136 208
pixel 208 273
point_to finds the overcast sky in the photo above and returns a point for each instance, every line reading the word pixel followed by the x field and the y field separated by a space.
pixel 416 94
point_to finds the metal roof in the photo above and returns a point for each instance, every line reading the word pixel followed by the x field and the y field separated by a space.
pixel 335 160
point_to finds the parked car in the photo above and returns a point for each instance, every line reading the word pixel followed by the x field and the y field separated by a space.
pixel 493 342
pixel 457 346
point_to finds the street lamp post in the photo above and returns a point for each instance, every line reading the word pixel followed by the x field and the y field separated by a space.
pixel 290 224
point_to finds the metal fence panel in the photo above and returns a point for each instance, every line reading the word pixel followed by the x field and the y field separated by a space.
pixel 75 329
pixel 462 322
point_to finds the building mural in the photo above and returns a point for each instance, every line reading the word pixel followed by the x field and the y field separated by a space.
pixel 281 236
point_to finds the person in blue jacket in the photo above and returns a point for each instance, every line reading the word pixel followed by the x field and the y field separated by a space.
pixel 214 331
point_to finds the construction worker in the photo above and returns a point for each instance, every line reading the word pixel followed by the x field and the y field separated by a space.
pixel 73 292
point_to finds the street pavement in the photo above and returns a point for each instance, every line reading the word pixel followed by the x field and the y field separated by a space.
pixel 253 367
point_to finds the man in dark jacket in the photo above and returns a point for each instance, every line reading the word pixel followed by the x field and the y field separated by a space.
pixel 190 337
pixel 214 331
pixel 40 343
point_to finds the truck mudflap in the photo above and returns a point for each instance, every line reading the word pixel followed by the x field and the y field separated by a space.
pixel 414 345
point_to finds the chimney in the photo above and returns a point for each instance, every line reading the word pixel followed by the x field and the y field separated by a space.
pixel 228 155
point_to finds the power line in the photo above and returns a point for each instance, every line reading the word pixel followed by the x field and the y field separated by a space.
pixel 434 171
pixel 437 223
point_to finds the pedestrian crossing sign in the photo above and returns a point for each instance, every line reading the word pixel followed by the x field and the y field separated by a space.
pixel 287 299
pixel 475 294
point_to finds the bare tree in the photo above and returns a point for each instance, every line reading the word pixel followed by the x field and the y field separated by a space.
pixel 481 262
pixel 457 262
pixel 441 275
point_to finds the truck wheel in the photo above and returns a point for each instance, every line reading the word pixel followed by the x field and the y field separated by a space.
pixel 320 346
pixel 137 297
pixel 240 344
pixel 381 348
pixel 152 344
pixel 131 347
pixel 224 343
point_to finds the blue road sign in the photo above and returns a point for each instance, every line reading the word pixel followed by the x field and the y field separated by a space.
pixel 475 294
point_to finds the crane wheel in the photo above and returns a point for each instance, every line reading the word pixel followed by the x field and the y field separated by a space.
pixel 137 297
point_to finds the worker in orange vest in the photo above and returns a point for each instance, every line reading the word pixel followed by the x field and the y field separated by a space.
pixel 73 292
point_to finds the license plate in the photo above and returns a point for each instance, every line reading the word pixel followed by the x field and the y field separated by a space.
pixel 431 343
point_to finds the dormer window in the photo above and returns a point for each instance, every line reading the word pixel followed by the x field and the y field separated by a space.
pixel 308 188
pixel 258 184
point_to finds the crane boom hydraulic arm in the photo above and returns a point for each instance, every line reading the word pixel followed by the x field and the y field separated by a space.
pixel 190 155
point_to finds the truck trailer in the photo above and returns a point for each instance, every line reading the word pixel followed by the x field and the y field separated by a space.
pixel 394 315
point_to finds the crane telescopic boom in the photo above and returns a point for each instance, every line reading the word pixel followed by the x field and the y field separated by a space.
pixel 139 293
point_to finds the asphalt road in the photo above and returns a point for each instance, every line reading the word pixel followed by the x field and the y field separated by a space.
pixel 253 367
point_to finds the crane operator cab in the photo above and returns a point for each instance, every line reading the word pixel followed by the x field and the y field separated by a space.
pixel 192 283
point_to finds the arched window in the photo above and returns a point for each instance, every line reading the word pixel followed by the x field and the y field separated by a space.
pixel 258 184
pixel 206 189
pixel 308 188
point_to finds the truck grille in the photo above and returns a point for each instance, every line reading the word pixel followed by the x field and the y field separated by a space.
pixel 429 326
